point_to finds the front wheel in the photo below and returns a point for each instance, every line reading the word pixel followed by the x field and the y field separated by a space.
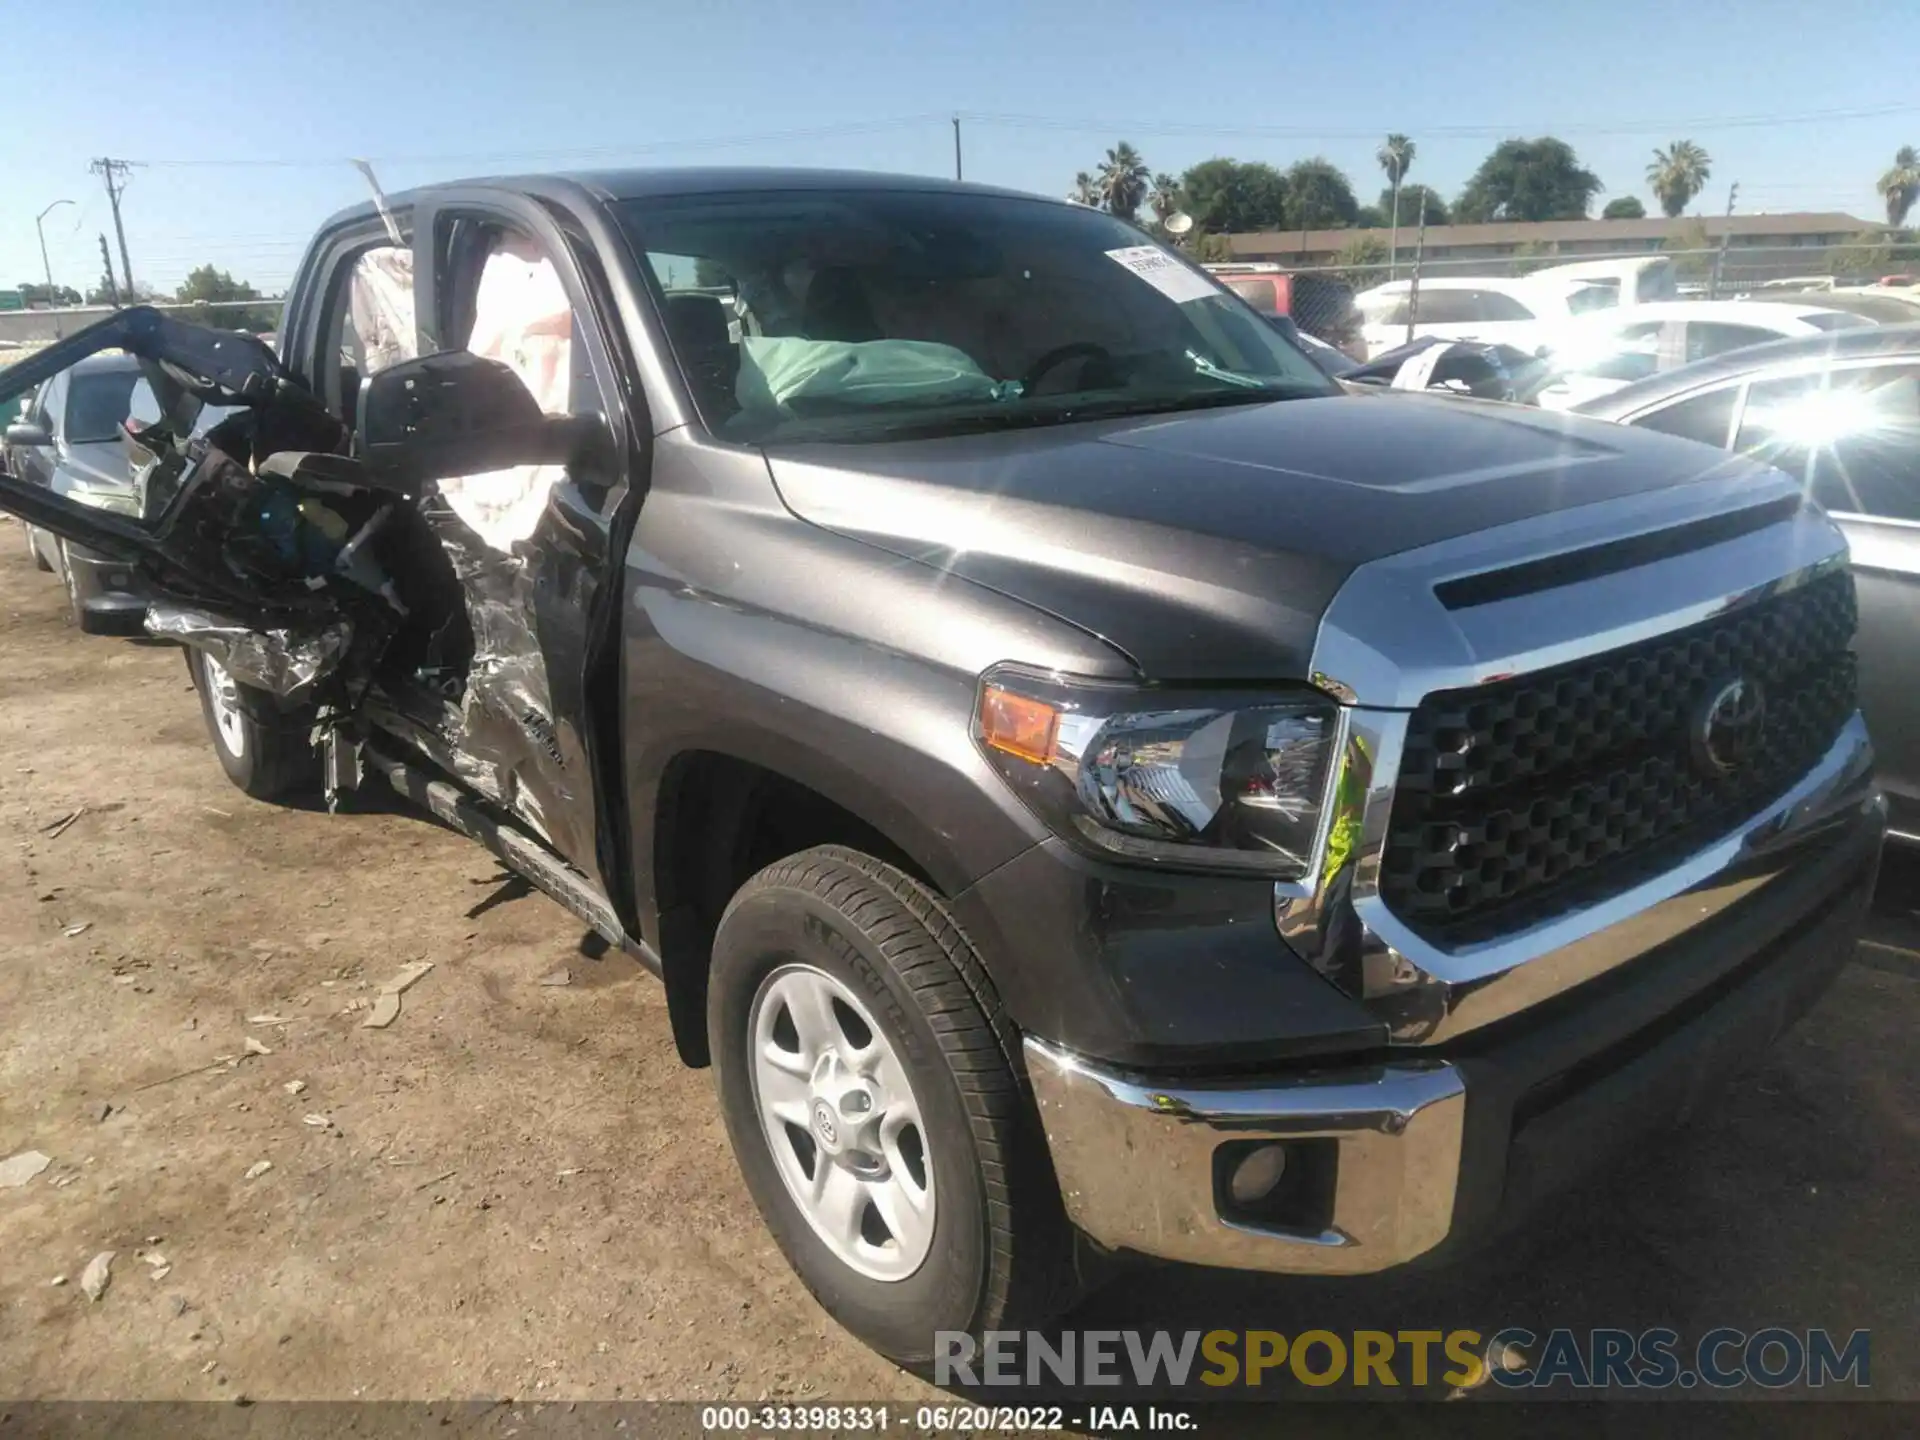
pixel 870 1088
pixel 33 549
pixel 266 750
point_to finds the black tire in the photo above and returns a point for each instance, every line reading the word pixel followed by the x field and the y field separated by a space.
pixel 274 757
pixel 1002 1255
pixel 33 549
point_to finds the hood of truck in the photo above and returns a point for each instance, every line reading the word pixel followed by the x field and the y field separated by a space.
pixel 1207 545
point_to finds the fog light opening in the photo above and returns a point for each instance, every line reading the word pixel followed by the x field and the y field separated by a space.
pixel 1286 1186
pixel 1258 1174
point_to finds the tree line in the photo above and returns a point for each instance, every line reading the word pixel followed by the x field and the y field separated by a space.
pixel 205 285
pixel 1538 179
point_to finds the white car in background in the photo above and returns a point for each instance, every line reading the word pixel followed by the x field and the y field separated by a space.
pixel 1599 353
pixel 1638 280
pixel 1522 313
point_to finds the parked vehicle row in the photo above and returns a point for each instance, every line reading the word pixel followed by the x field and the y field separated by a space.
pixel 1598 353
pixel 1090 783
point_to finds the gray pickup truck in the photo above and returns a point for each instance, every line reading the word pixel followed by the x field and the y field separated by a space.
pixel 1088 784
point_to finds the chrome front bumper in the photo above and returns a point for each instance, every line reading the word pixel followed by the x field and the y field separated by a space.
pixel 1137 1158
pixel 1136 1161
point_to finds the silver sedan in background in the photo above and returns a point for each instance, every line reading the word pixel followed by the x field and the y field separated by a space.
pixel 1841 413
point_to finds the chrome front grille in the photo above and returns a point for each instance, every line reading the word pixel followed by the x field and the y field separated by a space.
pixel 1522 799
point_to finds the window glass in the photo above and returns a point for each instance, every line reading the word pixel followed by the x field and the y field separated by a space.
pixel 865 313
pixel 1834 320
pixel 1447 307
pixel 1852 437
pixel 1593 295
pixel 1384 309
pixel 1631 352
pixel 1706 418
pixel 1711 337
pixel 98 401
pixel 1497 305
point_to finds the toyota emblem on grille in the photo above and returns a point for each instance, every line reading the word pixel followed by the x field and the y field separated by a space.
pixel 1728 727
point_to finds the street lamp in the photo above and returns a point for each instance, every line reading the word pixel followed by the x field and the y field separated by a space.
pixel 40 226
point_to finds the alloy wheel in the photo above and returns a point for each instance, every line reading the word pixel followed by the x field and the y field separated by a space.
pixel 840 1116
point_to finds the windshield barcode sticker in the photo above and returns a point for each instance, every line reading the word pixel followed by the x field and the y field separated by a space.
pixel 1164 273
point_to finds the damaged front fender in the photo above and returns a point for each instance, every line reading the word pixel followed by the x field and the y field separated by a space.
pixel 283 662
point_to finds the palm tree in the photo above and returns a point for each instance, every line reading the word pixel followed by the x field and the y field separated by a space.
pixel 1677 174
pixel 1900 186
pixel 1396 158
pixel 1085 192
pixel 1164 198
pixel 1123 180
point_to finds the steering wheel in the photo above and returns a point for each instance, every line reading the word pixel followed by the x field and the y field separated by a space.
pixel 1060 355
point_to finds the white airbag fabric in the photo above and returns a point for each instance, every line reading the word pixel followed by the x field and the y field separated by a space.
pixel 521 318
pixel 381 301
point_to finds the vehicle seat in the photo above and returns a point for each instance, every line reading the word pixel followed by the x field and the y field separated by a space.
pixel 837 308
pixel 697 327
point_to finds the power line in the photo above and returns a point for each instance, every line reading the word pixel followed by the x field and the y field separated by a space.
pixel 1136 125
pixel 819 132
pixel 1477 131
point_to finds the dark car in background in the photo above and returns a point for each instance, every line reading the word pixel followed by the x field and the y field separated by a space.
pixel 68 438
pixel 1841 414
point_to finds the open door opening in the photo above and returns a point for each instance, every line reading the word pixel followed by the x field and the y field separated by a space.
pixel 309 559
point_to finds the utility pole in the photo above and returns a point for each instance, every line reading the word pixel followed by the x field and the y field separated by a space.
pixel 114 172
pixel 1720 256
pixel 956 147
pixel 39 225
pixel 1419 253
pixel 106 259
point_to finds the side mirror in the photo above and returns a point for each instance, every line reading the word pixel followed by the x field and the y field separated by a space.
pixel 28 435
pixel 459 414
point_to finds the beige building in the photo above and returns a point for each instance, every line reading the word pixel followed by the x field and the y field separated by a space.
pixel 1784 244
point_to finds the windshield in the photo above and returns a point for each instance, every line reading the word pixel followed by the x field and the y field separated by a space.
pixel 97 402
pixel 870 314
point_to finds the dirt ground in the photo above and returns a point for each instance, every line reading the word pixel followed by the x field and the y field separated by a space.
pixel 517 1190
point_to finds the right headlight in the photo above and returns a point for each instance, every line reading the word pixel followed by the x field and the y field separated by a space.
pixel 1206 780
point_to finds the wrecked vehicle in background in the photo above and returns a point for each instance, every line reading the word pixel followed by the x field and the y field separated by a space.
pixel 1087 782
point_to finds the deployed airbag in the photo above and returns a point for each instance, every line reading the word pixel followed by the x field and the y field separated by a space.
pixel 523 319
pixel 788 374
pixel 382 301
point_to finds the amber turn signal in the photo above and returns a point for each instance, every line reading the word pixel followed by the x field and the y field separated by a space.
pixel 1018 725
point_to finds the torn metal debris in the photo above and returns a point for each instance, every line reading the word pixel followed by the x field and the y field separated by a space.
pixel 282 662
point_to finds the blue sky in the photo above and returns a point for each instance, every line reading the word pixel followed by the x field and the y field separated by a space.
pixel 278 95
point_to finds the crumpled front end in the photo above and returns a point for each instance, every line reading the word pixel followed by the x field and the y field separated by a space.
pixel 287 663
